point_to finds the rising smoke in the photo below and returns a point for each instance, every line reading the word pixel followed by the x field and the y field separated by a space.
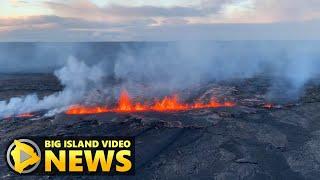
pixel 160 68
pixel 77 78
pixel 180 65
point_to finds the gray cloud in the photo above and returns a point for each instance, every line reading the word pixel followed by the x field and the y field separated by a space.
pixel 152 11
pixel 67 22
pixel 284 10
pixel 87 9
pixel 53 28
pixel 85 21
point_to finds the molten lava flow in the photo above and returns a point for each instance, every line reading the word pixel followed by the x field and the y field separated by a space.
pixel 268 106
pixel 124 101
pixel 24 115
pixel 168 103
pixel 78 109
pixel 125 104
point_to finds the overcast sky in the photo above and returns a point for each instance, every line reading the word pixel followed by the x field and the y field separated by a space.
pixel 162 20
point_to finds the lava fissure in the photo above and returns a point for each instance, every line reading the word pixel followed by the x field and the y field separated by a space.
pixel 125 104
pixel 24 115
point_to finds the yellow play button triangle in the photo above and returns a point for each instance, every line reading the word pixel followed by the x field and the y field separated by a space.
pixel 23 156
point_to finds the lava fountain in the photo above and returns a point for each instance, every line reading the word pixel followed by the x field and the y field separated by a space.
pixel 126 104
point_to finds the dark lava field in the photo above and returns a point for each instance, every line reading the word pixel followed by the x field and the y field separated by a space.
pixel 248 141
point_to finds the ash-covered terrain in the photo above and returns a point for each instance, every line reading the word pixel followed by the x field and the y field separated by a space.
pixel 258 138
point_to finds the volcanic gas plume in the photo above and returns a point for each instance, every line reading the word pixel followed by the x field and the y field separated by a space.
pixel 163 69
pixel 126 104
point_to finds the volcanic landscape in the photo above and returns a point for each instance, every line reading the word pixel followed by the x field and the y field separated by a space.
pixel 219 130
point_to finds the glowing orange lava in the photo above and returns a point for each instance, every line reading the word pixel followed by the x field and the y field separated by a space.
pixel 24 115
pixel 268 106
pixel 170 103
pixel 125 104
pixel 79 109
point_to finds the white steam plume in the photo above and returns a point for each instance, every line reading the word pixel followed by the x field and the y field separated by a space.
pixel 77 79
pixel 181 65
pixel 158 69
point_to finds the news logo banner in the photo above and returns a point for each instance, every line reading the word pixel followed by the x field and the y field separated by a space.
pixel 72 155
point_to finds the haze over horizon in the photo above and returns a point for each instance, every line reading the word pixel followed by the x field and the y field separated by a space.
pixel 163 20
